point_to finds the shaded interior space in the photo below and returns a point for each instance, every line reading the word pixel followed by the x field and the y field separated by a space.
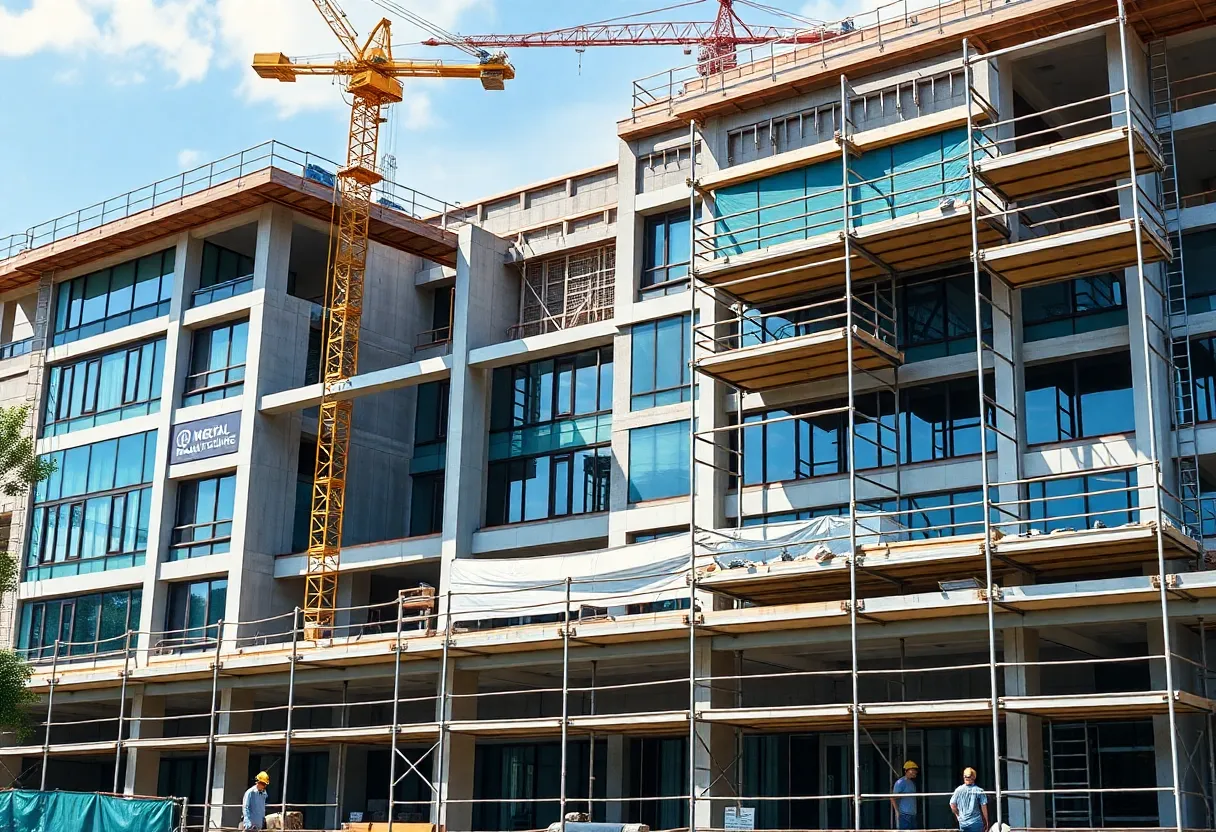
pixel 1195 164
pixel 1192 69
pixel 227 264
pixel 1064 78
pixel 377 591
pixel 306 269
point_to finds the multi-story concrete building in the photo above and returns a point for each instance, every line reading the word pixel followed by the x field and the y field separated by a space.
pixel 681 487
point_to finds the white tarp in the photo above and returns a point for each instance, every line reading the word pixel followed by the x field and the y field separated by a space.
pixel 509 587
pixel 791 541
pixel 485 588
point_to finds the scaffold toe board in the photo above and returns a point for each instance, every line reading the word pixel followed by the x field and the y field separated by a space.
pixel 1083 548
pixel 885 569
pixel 799 359
pixel 936 236
pixel 1131 705
pixel 1069 163
pixel 1079 253
pixel 64 749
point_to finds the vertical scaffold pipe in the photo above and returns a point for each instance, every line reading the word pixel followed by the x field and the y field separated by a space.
pixel 215 688
pixel 440 779
pixel 392 761
pixel 122 706
pixel 985 479
pixel 1203 654
pixel 565 707
pixel 692 480
pixel 852 451
pixel 1154 463
pixel 50 709
pixel 291 704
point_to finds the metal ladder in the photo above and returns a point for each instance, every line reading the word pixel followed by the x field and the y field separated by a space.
pixel 1069 749
pixel 1177 321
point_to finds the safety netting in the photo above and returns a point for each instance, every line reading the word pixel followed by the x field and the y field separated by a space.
pixel 33 811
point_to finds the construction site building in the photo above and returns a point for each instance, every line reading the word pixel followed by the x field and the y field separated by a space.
pixel 863 410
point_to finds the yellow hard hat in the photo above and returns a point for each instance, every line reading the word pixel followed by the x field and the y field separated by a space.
pixel 263 777
pixel 910 764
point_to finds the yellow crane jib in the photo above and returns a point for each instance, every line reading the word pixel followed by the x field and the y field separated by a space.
pixel 371 75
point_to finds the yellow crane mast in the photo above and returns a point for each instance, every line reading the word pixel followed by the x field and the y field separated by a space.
pixel 371 76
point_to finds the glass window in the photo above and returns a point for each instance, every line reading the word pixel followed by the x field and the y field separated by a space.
pixel 552 485
pixel 1199 256
pixel 1203 378
pixel 658 461
pixel 131 292
pixel 102 389
pixel 1090 501
pixel 531 394
pixel 659 372
pixel 1079 399
pixel 87 625
pixel 1074 306
pixel 194 610
pixel 937 316
pixel 217 364
pixel 224 273
pixel 76 526
pixel 665 257
pixel 204 517
pixel 430 452
pixel 426 504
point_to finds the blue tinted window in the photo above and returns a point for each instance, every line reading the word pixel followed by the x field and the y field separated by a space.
pixel 658 461
pixel 138 290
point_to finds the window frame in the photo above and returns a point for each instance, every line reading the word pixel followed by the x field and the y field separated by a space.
pixel 601 484
pixel 651 329
pixel 68 324
pixel 661 282
pixel 76 382
pixel 233 383
pixel 183 536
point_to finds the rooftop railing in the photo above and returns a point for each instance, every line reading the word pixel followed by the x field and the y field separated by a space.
pixel 883 27
pixel 270 154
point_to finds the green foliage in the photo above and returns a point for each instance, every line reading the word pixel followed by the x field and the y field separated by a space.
pixel 19 469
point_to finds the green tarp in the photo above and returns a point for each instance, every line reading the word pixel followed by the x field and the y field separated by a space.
pixel 29 811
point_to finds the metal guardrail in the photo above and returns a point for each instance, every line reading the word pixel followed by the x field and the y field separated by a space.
pixel 879 27
pixel 227 169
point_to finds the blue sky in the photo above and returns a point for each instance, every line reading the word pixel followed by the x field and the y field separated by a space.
pixel 101 96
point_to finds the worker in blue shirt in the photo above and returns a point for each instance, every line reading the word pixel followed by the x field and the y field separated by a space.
pixel 970 804
pixel 253 807
pixel 905 807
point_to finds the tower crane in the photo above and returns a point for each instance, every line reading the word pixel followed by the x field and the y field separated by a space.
pixel 371 77
pixel 716 40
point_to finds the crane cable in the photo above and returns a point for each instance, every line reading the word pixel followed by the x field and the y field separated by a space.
pixel 436 30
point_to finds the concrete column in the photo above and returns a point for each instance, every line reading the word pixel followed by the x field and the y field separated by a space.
pixel 230 775
pixel 143 764
pixel 486 304
pixel 616 771
pixel 455 779
pixel 713 754
pixel 187 264
pixel 1190 730
pixel 1024 734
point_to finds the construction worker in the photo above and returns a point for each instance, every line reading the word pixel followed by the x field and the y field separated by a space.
pixel 970 804
pixel 905 807
pixel 253 807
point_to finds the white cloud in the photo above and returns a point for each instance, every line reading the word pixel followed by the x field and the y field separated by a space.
pixel 188 158
pixel 180 41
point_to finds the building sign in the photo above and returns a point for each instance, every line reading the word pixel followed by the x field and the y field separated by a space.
pixel 743 818
pixel 205 438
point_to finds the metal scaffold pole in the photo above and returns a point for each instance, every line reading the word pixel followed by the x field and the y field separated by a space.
pixel 122 706
pixel 392 756
pixel 291 703
pixel 215 686
pixel 692 480
pixel 565 708
pixel 845 118
pixel 1206 691
pixel 50 707
pixel 1154 461
pixel 441 779
pixel 990 588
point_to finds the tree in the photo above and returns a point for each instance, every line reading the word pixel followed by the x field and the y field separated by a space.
pixel 20 468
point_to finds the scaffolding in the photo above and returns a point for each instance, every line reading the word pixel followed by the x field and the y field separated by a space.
pixel 804 291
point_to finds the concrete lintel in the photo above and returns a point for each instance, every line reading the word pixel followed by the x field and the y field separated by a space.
pixel 536 347
pixel 368 556
pixel 364 384
pixel 548 532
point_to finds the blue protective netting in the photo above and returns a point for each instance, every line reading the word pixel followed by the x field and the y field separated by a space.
pixel 30 811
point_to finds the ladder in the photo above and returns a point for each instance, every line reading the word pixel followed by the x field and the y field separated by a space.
pixel 1177 321
pixel 1069 762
